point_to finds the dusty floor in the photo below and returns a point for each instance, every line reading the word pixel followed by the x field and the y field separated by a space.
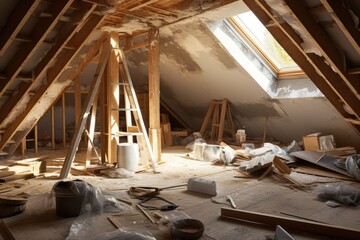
pixel 271 195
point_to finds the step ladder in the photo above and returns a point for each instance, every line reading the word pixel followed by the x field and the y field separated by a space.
pixel 219 111
pixel 133 106
pixel 132 109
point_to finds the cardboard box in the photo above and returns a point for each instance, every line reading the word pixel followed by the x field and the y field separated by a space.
pixel 311 141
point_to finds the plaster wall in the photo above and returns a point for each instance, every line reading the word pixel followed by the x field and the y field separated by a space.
pixel 195 68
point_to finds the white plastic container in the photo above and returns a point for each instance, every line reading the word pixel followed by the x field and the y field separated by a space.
pixel 240 136
pixel 128 156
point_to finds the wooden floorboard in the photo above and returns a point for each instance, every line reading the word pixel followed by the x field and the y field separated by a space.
pixel 272 196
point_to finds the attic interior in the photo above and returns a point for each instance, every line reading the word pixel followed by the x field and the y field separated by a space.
pixel 158 119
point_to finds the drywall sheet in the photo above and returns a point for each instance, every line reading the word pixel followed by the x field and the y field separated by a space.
pixel 320 159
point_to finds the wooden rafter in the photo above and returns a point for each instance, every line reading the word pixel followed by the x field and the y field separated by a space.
pixel 290 41
pixel 144 4
pixel 15 22
pixel 77 41
pixel 343 19
pixel 47 60
pixel 314 31
pixel 40 32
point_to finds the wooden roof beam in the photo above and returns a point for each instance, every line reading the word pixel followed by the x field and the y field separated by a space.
pixel 322 41
pixel 15 22
pixel 290 41
pixel 40 33
pixel 343 19
pixel 146 3
pixel 77 41
pixel 48 59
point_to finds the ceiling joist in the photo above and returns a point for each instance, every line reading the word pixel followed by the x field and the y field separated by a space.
pixel 15 22
pixel 40 32
pixel 291 42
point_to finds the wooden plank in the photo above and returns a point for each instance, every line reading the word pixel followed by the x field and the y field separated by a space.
pixel 291 42
pixel 207 118
pixel 345 22
pixel 321 160
pixel 16 177
pixel 63 119
pixel 25 53
pixel 154 93
pixel 54 73
pixel 166 133
pixel 15 22
pixel 314 31
pixel 113 95
pixel 90 133
pixel 52 126
pixel 296 224
pixel 88 103
pixel 48 59
pixel 130 91
pixel 5 232
pixel 77 95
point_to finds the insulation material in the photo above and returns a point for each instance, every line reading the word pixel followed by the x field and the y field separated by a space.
pixel 281 10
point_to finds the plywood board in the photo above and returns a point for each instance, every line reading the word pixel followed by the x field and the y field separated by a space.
pixel 320 159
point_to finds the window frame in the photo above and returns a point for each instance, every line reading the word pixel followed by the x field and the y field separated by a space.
pixel 292 72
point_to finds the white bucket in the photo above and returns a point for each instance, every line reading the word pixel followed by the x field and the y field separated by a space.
pixel 128 156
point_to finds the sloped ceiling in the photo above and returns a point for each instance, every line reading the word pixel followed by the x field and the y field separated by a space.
pixel 42 40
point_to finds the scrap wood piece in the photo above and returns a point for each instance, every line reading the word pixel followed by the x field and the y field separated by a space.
pixel 6 173
pixel 297 224
pixel 320 159
pixel 5 232
pixel 16 177
pixel 296 183
pixel 321 173
pixel 281 166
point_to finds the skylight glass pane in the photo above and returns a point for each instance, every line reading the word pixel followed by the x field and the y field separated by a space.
pixel 262 38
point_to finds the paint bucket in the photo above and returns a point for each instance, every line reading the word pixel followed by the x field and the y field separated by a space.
pixel 128 156
pixel 69 197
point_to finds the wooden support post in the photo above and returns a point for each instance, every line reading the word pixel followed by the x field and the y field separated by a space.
pixel 90 133
pixel 77 95
pixel 23 146
pixel 63 121
pixel 52 126
pixel 113 97
pixel 86 109
pixel 36 138
pixel 104 126
pixel 154 94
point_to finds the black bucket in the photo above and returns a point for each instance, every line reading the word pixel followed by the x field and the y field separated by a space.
pixel 69 197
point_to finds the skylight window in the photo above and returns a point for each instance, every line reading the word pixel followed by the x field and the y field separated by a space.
pixel 264 44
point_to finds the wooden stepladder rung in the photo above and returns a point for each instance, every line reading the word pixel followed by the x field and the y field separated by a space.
pixel 132 108
pixel 221 120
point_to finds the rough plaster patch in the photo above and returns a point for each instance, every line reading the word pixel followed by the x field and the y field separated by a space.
pixel 251 110
pixel 183 59
pixel 137 57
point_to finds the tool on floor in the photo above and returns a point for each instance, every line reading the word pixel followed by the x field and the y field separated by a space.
pixel 198 185
pixel 168 207
pixel 140 192
pixel 224 200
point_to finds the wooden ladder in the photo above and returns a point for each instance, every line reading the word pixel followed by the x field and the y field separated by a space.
pixel 132 108
pixel 220 112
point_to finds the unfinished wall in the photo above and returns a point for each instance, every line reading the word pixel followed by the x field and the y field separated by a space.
pixel 195 69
